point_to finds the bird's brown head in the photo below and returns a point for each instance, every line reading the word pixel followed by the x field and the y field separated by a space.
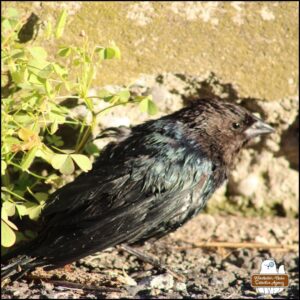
pixel 225 126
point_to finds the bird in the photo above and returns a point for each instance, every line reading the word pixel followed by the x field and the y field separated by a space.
pixel 147 183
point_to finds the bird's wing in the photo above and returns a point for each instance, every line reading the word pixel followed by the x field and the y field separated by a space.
pixel 137 187
pixel 85 190
pixel 119 203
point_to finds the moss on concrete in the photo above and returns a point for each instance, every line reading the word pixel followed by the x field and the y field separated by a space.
pixel 252 45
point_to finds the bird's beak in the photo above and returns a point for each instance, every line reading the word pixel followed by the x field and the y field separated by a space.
pixel 257 128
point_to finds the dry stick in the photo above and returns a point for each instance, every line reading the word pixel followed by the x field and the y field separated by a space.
pixel 74 285
pixel 239 245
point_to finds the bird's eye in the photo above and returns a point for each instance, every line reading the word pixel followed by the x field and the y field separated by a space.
pixel 236 125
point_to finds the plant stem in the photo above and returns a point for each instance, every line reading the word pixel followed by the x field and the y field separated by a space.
pixel 86 134
pixel 12 193
pixel 29 172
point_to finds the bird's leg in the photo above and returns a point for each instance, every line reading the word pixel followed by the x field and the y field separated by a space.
pixel 142 256
pixel 155 262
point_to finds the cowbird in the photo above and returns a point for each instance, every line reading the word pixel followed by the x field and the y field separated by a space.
pixel 150 181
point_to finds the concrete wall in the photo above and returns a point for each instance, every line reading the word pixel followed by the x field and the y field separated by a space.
pixel 251 45
pixel 246 51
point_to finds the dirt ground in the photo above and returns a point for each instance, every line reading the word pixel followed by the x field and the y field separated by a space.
pixel 220 271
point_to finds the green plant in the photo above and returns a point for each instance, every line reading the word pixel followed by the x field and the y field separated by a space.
pixel 33 86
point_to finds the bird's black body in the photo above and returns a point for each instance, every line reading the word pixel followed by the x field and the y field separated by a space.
pixel 148 183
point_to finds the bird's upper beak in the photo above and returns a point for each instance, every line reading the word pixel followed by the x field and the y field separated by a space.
pixel 257 128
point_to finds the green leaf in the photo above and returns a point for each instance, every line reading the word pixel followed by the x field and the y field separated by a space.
pixel 65 151
pixel 12 13
pixel 16 77
pixel 58 160
pixel 41 197
pixel 117 51
pixel 34 210
pixel 8 237
pixel 23 118
pixel 36 66
pixel 5 196
pixel 109 52
pixel 86 58
pixel 124 96
pixel 40 68
pixel 36 83
pixel 54 127
pixel 38 53
pixel 4 217
pixel 10 143
pixel 76 62
pixel 64 52
pixel 9 208
pixel 20 76
pixel 24 181
pixel 56 117
pixel 45 153
pixel 48 88
pixel 22 210
pixel 6 26
pixel 3 167
pixel 59 70
pixel 58 87
pixel 148 106
pixel 16 53
pixel 61 24
pixel 14 22
pixel 91 149
pixel 104 94
pixel 63 163
pixel 82 161
pixel 55 140
pixel 68 166
pixel 28 158
pixel 12 66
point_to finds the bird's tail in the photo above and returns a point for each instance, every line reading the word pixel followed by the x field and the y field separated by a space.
pixel 20 266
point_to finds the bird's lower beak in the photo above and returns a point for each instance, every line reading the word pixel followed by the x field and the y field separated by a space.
pixel 258 128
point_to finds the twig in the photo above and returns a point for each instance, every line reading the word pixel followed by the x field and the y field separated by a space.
pixel 74 285
pixel 248 245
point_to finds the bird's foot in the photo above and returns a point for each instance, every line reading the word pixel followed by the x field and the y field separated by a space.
pixel 154 261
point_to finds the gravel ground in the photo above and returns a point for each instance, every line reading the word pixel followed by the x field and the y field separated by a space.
pixel 200 272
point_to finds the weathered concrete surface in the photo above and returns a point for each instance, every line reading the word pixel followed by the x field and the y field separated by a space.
pixel 251 45
pixel 246 52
